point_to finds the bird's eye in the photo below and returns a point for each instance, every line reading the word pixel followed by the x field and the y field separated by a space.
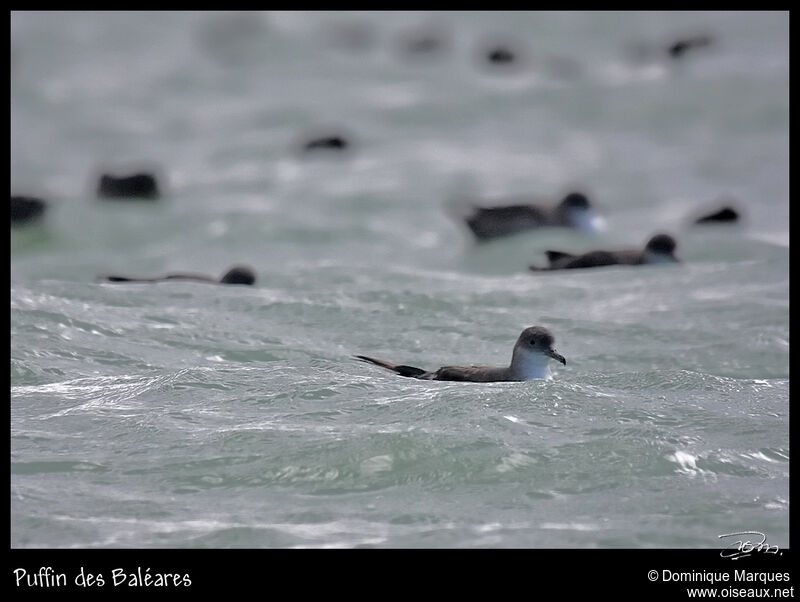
pixel 533 342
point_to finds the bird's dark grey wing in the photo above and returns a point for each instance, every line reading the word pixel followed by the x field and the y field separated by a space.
pixel 592 259
pixel 476 374
pixel 189 277
pixel 512 212
pixel 194 277
pixel 628 257
pixel 490 222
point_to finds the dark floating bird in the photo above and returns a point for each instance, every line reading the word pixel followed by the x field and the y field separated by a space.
pixel 659 249
pixel 140 185
pixel 26 210
pixel 574 211
pixel 500 55
pixel 726 215
pixel 334 143
pixel 530 360
pixel 681 46
pixel 236 275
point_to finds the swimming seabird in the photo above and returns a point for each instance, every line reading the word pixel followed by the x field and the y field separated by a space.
pixel 140 185
pixel 723 215
pixel 236 275
pixel 532 354
pixel 574 211
pixel 334 142
pixel 25 209
pixel 500 55
pixel 659 249
pixel 677 49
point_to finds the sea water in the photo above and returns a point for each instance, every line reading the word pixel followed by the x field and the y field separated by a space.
pixel 183 414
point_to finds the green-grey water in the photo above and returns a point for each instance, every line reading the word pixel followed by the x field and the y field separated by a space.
pixel 190 415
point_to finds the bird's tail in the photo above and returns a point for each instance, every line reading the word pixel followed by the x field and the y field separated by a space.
pixel 124 279
pixel 115 279
pixel 556 255
pixel 397 368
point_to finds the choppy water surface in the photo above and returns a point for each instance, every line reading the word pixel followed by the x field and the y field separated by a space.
pixel 190 415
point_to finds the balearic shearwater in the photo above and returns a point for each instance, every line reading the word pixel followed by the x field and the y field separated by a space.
pixel 659 249
pixel 500 55
pixel 531 358
pixel 681 46
pixel 724 215
pixel 236 275
pixel 140 185
pixel 334 142
pixel 574 211
pixel 25 209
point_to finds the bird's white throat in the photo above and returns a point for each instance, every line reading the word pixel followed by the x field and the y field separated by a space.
pixel 653 257
pixel 531 365
pixel 587 220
